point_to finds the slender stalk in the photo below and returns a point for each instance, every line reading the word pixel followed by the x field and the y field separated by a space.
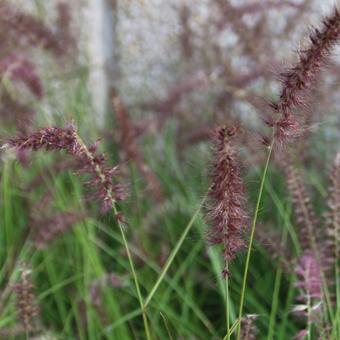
pixel 134 275
pixel 232 329
pixel 121 228
pixel 337 282
pixel 173 255
pixel 252 233
pixel 227 304
pixel 166 325
pixel 309 313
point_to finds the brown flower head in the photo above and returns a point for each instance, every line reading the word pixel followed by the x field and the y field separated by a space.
pixel 331 247
pixel 89 161
pixel 299 78
pixel 249 330
pixel 302 205
pixel 309 280
pixel 25 301
pixel 226 213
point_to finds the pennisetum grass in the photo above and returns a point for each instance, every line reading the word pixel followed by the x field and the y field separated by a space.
pixel 296 81
pixel 101 178
pixel 251 238
pixel 26 302
pixel 309 281
pixel 226 213
pixel 106 191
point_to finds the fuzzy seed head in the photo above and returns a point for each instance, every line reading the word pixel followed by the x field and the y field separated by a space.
pixel 25 301
pixel 89 161
pixel 226 213
pixel 299 78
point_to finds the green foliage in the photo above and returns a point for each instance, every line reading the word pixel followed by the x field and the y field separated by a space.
pixel 189 300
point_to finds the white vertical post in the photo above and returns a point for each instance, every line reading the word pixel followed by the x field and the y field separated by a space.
pixel 100 25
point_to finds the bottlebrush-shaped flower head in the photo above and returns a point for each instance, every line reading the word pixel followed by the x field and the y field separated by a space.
pixel 89 161
pixel 309 233
pixel 299 78
pixel 248 330
pixel 25 301
pixel 309 282
pixel 226 213
pixel 331 247
pixel 308 272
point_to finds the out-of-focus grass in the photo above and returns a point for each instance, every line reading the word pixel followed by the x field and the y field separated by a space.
pixel 190 302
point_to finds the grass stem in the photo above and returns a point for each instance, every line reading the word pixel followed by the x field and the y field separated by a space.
pixel 135 278
pixel 227 304
pixel 252 233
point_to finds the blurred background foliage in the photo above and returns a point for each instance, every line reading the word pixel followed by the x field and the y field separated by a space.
pixel 150 79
